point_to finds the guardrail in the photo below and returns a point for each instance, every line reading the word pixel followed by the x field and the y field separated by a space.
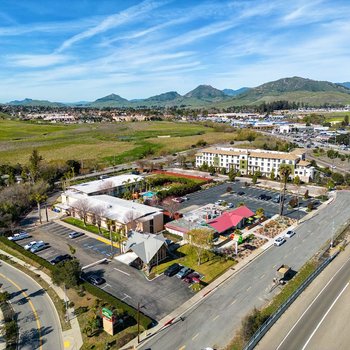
pixel 276 315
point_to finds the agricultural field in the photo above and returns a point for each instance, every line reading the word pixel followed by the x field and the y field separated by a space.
pixel 106 143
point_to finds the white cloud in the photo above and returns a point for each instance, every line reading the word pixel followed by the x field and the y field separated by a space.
pixel 113 21
pixel 36 61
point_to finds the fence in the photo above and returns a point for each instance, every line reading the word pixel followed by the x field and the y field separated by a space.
pixel 275 316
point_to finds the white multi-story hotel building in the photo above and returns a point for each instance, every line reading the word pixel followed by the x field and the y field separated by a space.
pixel 249 161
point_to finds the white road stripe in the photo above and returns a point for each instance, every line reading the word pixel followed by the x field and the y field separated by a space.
pixel 125 273
pixel 325 315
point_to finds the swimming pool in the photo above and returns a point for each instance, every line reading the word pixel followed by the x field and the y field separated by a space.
pixel 148 194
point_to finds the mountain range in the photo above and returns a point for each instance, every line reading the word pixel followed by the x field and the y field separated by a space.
pixel 294 89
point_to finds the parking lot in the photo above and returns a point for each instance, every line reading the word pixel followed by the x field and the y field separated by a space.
pixel 158 297
pixel 249 198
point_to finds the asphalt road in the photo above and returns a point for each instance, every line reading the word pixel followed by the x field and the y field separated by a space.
pixel 213 321
pixel 319 319
pixel 250 199
pixel 39 326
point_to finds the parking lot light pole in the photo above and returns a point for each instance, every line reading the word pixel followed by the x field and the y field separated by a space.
pixel 138 323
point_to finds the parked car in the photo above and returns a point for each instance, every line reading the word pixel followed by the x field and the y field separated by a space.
pixel 193 277
pixel 172 270
pixel 75 234
pixel 241 193
pixel 230 205
pixel 38 247
pixel 60 258
pixel 289 234
pixel 267 197
pixel 184 272
pixel 178 200
pixel 279 241
pixel 219 202
pixel 31 244
pixel 96 280
pixel 185 198
pixel 276 199
pixel 19 236
pixel 262 196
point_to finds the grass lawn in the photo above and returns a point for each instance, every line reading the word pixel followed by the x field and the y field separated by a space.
pixel 103 143
pixel 211 268
pixel 90 228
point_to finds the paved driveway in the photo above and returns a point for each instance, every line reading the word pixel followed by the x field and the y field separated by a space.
pixel 158 297
pixel 250 199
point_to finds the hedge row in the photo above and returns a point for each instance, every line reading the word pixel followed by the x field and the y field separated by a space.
pixel 160 180
pixel 178 190
pixel 27 253
pixel 145 321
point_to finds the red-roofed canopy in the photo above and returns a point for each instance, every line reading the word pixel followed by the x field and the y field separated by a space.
pixel 230 219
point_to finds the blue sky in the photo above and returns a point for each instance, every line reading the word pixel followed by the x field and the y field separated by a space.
pixel 72 50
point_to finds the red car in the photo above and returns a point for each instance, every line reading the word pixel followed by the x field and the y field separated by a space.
pixel 193 277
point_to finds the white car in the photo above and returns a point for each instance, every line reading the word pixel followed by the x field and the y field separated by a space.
pixel 279 241
pixel 31 244
pixel 289 234
pixel 19 236
pixel 37 247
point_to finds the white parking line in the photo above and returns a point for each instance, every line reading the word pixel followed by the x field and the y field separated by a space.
pixel 126 296
pixel 106 285
pixel 195 336
pixel 125 273
pixel 233 302
pixel 216 317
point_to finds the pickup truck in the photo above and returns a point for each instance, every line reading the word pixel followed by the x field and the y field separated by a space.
pixel 283 273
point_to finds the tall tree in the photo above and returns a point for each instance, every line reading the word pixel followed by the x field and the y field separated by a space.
pixel 39 195
pixel 201 239
pixel 34 165
pixel 285 171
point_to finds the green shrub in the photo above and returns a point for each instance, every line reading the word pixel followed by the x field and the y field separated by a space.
pixel 118 304
pixel 28 254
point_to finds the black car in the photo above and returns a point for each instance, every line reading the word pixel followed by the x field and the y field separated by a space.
pixel 172 270
pixel 60 258
pixel 267 197
pixel 262 197
pixel 241 193
pixel 96 280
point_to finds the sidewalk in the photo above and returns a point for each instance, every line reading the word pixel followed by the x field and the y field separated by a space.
pixel 2 332
pixel 176 314
pixel 72 339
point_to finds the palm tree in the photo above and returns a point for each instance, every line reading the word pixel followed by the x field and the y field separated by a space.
pixel 39 198
pixel 285 170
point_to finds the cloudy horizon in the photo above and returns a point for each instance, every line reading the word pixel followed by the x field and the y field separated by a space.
pixel 83 50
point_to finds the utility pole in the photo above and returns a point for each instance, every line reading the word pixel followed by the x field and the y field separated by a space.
pixel 138 323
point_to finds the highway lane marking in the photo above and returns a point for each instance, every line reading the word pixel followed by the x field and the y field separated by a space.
pixel 307 309
pixel 216 317
pixel 31 306
pixel 125 273
pixel 194 337
pixel 324 316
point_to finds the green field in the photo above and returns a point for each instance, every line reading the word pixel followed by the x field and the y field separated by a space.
pixel 104 143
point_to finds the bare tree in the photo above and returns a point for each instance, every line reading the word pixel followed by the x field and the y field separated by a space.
pixel 83 208
pixel 171 206
pixel 99 213
pixel 107 186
